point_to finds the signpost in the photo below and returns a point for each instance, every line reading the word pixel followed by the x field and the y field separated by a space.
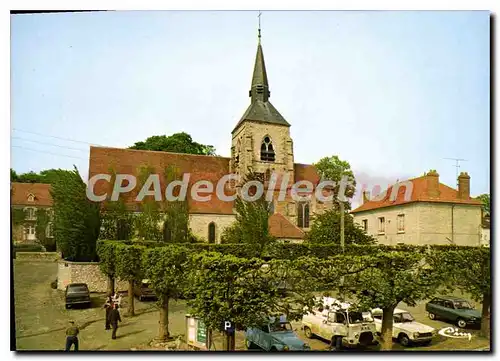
pixel 196 333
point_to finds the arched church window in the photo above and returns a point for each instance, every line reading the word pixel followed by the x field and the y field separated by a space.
pixel 303 215
pixel 267 150
pixel 211 232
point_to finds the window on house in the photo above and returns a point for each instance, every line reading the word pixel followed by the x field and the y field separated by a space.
pixel 381 225
pixel 50 230
pixel 401 223
pixel 31 198
pixel 303 215
pixel 365 225
pixel 29 232
pixel 211 232
pixel 267 150
pixel 30 213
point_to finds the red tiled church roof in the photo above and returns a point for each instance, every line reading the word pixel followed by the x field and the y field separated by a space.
pixel 281 227
pixel 419 194
pixel 21 192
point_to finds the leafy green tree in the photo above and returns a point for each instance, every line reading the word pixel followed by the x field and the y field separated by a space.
pixel 107 263
pixel 166 268
pixel 176 143
pixel 13 176
pixel 468 269
pixel 228 288
pixel 391 278
pixel 47 176
pixel 485 198
pixel 333 168
pixel 326 229
pixel 76 218
pixel 176 213
pixel 252 223
pixel 129 267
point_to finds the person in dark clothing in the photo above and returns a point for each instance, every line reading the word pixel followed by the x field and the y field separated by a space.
pixel 114 317
pixel 72 336
pixel 108 306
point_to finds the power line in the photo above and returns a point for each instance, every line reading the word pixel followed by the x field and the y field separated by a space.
pixel 42 151
pixel 50 144
pixel 53 136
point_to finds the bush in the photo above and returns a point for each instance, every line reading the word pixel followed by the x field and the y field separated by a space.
pixel 32 247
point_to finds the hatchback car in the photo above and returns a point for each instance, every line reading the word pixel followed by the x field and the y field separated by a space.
pixel 77 294
pixel 275 335
pixel 143 291
pixel 453 309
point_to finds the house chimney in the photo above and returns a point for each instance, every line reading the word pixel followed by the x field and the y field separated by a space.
pixel 432 183
pixel 366 196
pixel 464 186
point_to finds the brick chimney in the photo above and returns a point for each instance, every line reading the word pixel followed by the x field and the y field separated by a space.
pixel 366 196
pixel 432 183
pixel 464 186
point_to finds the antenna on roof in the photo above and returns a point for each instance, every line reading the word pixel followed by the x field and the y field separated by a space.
pixel 457 164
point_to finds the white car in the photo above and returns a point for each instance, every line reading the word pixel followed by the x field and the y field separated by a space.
pixel 335 322
pixel 405 329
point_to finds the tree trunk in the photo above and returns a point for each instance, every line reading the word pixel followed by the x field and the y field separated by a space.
pixel 386 332
pixel 131 310
pixel 111 286
pixel 163 333
pixel 485 316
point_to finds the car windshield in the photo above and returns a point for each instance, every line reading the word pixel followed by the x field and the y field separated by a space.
pixel 356 317
pixel 403 317
pixel 280 326
pixel 77 289
pixel 462 305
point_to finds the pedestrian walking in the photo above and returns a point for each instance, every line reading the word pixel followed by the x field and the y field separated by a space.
pixel 72 336
pixel 108 306
pixel 114 318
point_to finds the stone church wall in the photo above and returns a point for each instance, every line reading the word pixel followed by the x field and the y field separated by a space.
pixel 199 224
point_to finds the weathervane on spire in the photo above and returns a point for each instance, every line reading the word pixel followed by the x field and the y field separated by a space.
pixel 259 24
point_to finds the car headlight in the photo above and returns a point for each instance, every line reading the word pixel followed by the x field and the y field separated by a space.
pixel 285 348
pixel 415 334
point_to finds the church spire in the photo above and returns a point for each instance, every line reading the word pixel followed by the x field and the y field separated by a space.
pixel 260 86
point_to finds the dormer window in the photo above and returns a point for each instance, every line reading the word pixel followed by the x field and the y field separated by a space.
pixel 267 150
pixel 31 197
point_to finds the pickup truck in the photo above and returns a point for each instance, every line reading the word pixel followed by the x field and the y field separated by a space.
pixel 340 324
pixel 405 329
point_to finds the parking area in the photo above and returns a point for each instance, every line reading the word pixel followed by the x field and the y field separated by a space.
pixel 41 319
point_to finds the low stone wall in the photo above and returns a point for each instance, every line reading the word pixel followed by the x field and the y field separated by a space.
pixel 85 272
pixel 38 256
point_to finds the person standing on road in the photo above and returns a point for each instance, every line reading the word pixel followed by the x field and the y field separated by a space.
pixel 72 336
pixel 114 318
pixel 108 306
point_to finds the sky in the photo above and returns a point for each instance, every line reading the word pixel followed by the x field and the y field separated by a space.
pixel 393 93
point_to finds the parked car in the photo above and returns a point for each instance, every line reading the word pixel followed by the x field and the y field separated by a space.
pixel 453 309
pixel 143 292
pixel 405 329
pixel 77 294
pixel 275 335
pixel 340 324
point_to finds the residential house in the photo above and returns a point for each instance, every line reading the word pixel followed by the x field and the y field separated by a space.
pixel 422 211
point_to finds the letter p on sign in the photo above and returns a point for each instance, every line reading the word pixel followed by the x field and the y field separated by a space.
pixel 227 325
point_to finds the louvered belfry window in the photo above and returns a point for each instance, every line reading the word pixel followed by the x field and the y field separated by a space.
pixel 267 150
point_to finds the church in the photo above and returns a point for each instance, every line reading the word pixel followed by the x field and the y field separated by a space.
pixel 260 143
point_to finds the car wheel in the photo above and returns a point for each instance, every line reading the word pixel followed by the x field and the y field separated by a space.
pixel 308 332
pixel 461 323
pixel 273 349
pixel 432 316
pixel 403 339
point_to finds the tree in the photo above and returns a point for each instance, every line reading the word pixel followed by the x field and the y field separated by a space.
pixel 129 268
pixel 13 176
pixel 468 269
pixel 485 198
pixel 252 223
pixel 107 263
pixel 176 143
pixel 47 176
pixel 326 229
pixel 391 278
pixel 232 289
pixel 76 218
pixel 176 213
pixel 333 168
pixel 166 268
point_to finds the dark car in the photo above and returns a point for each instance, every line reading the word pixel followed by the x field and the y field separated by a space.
pixel 453 309
pixel 143 292
pixel 77 294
